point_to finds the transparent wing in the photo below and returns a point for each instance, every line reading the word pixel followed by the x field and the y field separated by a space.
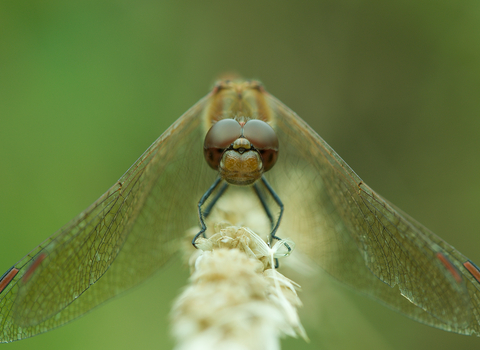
pixel 361 239
pixel 137 224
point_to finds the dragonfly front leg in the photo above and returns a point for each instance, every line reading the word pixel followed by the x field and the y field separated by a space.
pixel 280 205
pixel 205 213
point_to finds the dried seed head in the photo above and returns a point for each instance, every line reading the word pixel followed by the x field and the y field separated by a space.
pixel 235 300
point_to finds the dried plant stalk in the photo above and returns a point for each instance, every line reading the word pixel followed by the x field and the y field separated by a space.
pixel 236 299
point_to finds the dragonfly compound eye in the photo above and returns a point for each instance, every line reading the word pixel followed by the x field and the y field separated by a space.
pixel 263 138
pixel 220 136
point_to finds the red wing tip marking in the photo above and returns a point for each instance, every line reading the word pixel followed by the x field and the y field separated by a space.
pixel 7 278
pixel 449 266
pixel 473 269
pixel 35 264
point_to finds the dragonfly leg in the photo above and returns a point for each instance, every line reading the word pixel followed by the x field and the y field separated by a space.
pixel 280 205
pixel 261 197
pixel 205 213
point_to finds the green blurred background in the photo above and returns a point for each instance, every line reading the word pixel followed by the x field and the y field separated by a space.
pixel 86 87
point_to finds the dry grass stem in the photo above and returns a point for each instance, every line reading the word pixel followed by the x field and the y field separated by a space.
pixel 236 299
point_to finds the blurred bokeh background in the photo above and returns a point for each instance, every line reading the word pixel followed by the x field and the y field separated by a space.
pixel 86 87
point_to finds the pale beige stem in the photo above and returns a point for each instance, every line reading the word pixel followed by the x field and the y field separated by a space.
pixel 235 299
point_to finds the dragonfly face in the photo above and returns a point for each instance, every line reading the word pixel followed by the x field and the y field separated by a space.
pixel 241 150
pixel 335 219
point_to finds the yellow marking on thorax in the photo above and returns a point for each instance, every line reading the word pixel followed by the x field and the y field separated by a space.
pixel 240 100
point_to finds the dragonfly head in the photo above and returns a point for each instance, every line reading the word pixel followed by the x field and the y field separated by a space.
pixel 241 151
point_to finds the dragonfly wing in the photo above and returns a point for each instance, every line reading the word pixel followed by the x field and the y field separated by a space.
pixel 362 240
pixel 468 271
pixel 138 223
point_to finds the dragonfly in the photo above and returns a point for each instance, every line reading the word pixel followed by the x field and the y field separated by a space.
pixel 335 219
